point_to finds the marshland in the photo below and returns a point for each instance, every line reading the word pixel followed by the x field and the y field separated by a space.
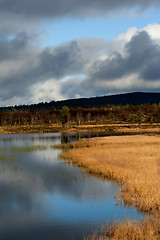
pixel 95 179
pixel 133 162
pixel 79 119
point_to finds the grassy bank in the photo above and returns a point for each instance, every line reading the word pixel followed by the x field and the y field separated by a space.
pixel 134 163
pixel 147 229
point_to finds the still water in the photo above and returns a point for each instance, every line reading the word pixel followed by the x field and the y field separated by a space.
pixel 41 197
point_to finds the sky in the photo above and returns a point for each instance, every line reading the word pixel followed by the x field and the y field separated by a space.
pixel 55 50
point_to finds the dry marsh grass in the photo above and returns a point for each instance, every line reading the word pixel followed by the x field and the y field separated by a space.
pixel 142 230
pixel 71 127
pixel 133 162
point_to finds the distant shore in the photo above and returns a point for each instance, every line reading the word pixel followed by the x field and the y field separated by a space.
pixel 110 129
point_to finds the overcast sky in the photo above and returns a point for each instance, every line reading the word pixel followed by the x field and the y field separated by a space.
pixel 53 50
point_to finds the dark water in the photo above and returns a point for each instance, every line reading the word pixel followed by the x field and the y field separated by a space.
pixel 41 197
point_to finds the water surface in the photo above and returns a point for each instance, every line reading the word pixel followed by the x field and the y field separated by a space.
pixel 41 197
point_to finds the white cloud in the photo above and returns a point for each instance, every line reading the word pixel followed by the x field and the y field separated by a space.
pixel 154 31
pixel 46 91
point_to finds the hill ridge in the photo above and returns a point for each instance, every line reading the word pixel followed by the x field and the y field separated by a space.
pixel 134 98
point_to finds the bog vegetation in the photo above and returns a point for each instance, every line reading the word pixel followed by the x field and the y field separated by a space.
pixel 133 162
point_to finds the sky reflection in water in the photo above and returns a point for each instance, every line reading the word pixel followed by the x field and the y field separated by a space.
pixel 43 198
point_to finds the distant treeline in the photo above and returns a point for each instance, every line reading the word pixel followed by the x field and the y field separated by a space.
pixel 147 113
pixel 130 108
pixel 97 102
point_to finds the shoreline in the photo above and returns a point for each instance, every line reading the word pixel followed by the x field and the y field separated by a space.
pixel 119 159
pixel 131 161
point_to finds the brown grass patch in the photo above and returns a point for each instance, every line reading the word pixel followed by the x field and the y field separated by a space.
pixel 142 230
pixel 110 129
pixel 132 161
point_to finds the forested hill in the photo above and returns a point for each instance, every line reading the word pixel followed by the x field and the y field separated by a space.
pixel 135 98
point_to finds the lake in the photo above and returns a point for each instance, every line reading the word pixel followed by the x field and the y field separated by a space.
pixel 41 197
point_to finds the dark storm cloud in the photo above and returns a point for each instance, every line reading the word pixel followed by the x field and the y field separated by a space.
pixel 111 68
pixel 76 8
pixel 61 61
pixel 143 56
pixel 11 48
pixel 143 52
pixel 51 63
